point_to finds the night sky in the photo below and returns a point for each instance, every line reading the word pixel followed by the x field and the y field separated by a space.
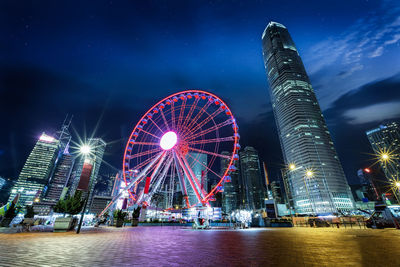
pixel 107 62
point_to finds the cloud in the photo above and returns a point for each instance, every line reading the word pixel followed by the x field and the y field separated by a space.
pixel 377 53
pixel 396 38
pixel 373 113
pixel 367 37
pixel 376 101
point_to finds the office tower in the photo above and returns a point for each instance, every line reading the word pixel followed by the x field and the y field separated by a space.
pixel 197 161
pixel 59 181
pixel 276 191
pixel 368 184
pixel 36 171
pixel 317 178
pixel 230 196
pixel 253 188
pixel 385 141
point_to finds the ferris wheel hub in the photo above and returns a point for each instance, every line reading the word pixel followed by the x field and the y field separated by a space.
pixel 168 140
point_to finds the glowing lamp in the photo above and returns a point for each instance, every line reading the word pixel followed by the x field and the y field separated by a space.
pixel 309 173
pixel 85 149
pixel 292 166
pixel 367 170
pixel 397 184
pixel 168 140
pixel 385 156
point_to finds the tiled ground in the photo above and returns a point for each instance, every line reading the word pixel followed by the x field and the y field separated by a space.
pixel 169 246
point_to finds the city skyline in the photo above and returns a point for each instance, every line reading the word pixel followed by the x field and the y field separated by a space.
pixel 107 65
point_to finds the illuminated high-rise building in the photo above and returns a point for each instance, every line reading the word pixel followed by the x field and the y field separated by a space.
pixel 317 180
pixel 385 141
pixel 253 190
pixel 58 183
pixel 231 194
pixel 36 171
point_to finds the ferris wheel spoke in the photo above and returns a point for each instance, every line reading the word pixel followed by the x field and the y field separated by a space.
pixel 164 119
pixel 144 153
pixel 208 169
pixel 158 127
pixel 173 114
pixel 198 115
pixel 144 163
pixel 208 153
pixel 211 129
pixel 214 140
pixel 205 121
pixel 147 143
pixel 146 132
pixel 182 109
pixel 192 108
pixel 159 179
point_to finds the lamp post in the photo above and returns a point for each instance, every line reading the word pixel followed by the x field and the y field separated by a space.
pixel 85 151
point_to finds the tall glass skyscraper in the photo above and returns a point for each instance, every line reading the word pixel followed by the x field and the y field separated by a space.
pixel 253 188
pixel 37 170
pixel 316 178
pixel 231 194
pixel 385 139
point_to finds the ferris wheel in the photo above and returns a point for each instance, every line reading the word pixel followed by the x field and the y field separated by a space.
pixel 185 145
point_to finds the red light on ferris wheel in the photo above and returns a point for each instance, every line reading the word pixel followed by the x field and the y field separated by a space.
pixel 367 170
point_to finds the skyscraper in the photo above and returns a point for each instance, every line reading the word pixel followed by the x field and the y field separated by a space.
pixel 317 178
pixel 254 191
pixel 36 171
pixel 385 140
pixel 230 196
pixel 61 176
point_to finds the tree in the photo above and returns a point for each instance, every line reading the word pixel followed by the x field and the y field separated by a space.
pixel 72 205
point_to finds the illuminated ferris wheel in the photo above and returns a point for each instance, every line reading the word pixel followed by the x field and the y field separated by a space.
pixel 185 145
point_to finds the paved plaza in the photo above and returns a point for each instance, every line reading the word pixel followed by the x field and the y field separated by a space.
pixel 175 246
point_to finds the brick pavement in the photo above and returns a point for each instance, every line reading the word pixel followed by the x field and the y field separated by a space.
pixel 174 246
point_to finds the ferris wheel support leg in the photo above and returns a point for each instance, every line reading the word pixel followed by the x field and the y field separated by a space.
pixel 181 181
pixel 157 184
pixel 188 175
pixel 132 183
pixel 194 178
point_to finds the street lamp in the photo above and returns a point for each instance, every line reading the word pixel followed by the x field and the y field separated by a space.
pixel 385 157
pixel 292 166
pixel 85 149
pixel 309 173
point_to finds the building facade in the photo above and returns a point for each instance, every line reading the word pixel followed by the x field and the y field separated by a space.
pixel 36 171
pixel 385 139
pixel 59 181
pixel 317 180
pixel 231 194
pixel 252 179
